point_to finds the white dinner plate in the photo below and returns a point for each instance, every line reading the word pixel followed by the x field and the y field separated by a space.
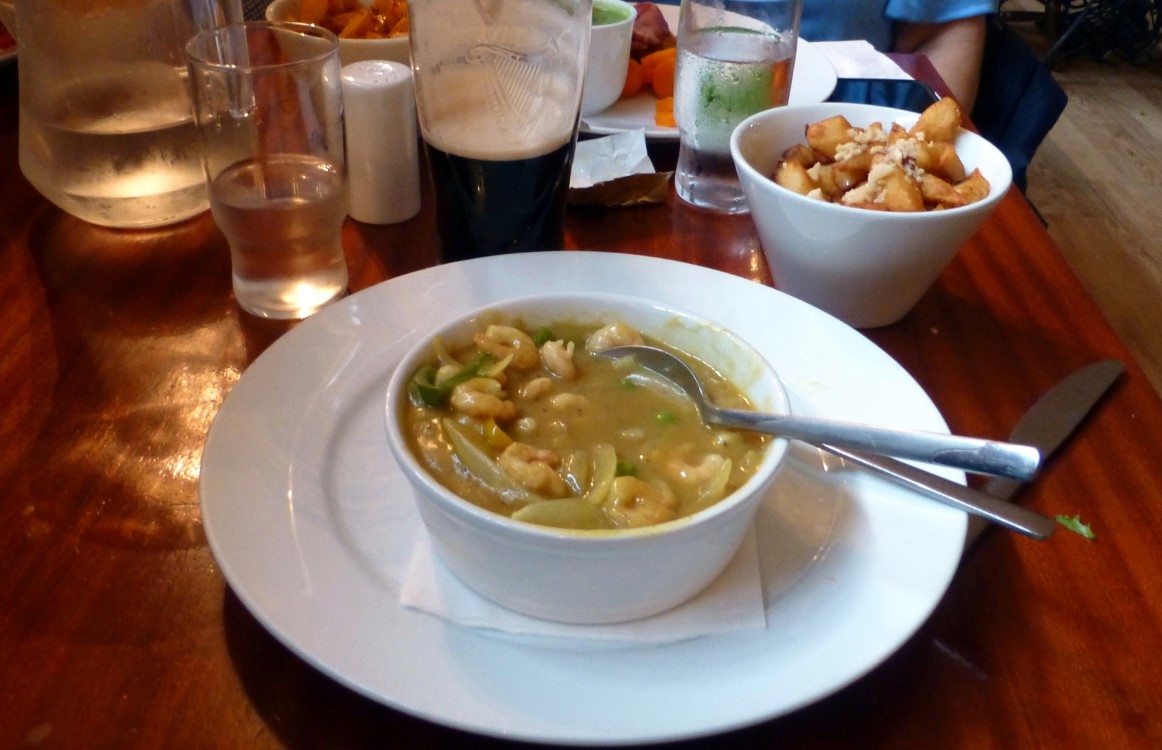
pixel 312 523
pixel 812 82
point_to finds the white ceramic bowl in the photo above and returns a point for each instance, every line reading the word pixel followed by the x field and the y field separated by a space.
pixel 609 45
pixel 868 268
pixel 350 50
pixel 592 576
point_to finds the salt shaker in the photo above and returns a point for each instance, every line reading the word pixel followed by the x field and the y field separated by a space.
pixel 382 142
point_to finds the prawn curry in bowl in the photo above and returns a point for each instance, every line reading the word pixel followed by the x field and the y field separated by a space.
pixel 573 487
pixel 529 421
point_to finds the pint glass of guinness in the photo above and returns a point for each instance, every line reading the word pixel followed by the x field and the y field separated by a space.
pixel 498 92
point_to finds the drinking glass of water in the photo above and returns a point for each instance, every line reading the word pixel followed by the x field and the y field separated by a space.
pixel 268 103
pixel 735 58
pixel 498 91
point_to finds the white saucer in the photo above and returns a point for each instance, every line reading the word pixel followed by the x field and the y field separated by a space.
pixel 312 523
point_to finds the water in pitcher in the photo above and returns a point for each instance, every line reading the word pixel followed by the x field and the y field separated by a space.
pixel 117 149
pixel 106 123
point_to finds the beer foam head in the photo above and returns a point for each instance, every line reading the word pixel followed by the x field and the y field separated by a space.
pixel 478 111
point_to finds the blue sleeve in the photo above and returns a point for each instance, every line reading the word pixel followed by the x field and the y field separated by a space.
pixel 873 19
pixel 937 11
pixel 825 20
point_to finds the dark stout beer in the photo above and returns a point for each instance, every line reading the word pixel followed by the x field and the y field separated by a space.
pixel 488 207
pixel 499 132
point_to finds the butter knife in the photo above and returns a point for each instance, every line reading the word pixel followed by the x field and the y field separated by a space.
pixel 1045 426
pixel 1050 421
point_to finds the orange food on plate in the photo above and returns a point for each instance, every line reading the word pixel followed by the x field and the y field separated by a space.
pixel 662 77
pixel 664 113
pixel 656 70
pixel 635 79
pixel 652 61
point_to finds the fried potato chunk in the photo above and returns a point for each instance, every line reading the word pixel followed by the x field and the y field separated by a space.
pixel 948 164
pixel 939 121
pixel 897 169
pixel 802 154
pixel 793 176
pixel 899 193
pixel 974 187
pixel 350 19
pixel 939 193
pixel 826 136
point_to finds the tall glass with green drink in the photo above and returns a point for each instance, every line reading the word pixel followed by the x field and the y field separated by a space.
pixel 735 58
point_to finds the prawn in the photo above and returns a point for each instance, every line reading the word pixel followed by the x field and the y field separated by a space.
pixel 696 473
pixel 614 334
pixel 557 357
pixel 502 341
pixel 534 468
pixel 575 403
pixel 482 397
pixel 535 388
pixel 633 503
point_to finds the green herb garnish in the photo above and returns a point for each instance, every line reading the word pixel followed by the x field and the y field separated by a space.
pixel 665 416
pixel 625 469
pixel 542 336
pixel 1076 526
pixel 424 389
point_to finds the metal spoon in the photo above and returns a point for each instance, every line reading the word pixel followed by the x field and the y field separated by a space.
pixel 965 453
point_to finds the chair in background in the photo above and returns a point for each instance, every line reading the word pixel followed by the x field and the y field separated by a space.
pixel 1099 28
pixel 1019 101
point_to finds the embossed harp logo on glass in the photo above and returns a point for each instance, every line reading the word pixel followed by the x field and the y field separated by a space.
pixel 517 65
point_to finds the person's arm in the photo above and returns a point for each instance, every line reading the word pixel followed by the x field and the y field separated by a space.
pixel 955 49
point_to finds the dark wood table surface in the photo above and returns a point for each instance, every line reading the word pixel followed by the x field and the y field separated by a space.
pixel 117 630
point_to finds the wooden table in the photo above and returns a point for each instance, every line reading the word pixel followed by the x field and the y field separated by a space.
pixel 117 630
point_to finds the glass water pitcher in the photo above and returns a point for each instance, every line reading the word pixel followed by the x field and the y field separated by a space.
pixel 106 122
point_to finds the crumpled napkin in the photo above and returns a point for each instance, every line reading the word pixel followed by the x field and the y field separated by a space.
pixel 857 58
pixel 615 170
pixel 733 603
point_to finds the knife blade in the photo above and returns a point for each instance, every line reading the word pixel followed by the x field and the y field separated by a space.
pixel 1045 426
pixel 1050 421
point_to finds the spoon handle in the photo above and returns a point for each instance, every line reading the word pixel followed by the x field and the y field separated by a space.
pixel 964 453
pixel 1019 519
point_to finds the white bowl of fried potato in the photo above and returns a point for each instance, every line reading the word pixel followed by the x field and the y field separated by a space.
pixel 545 556
pixel 367 29
pixel 865 250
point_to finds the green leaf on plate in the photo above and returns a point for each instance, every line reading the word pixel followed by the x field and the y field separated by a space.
pixel 1076 526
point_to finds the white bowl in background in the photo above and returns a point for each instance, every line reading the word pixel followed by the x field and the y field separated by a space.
pixel 350 50
pixel 554 573
pixel 609 45
pixel 868 268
